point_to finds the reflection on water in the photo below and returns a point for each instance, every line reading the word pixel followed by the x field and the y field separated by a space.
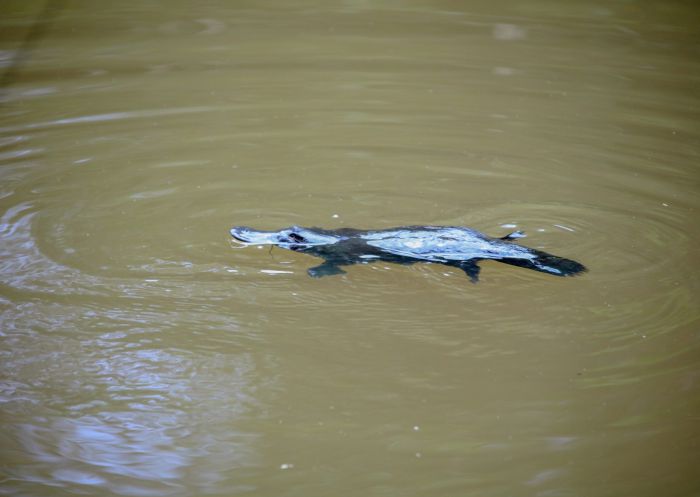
pixel 140 354
pixel 23 265
pixel 112 116
pixel 125 402
pixel 108 402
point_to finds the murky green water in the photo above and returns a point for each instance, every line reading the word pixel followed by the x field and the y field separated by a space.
pixel 142 353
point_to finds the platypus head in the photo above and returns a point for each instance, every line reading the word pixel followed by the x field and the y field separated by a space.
pixel 294 237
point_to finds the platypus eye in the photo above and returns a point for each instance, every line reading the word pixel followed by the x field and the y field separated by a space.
pixel 296 238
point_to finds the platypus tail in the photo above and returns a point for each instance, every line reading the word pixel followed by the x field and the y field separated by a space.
pixel 548 263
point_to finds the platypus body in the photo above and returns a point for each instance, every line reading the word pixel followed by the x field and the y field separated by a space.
pixel 453 246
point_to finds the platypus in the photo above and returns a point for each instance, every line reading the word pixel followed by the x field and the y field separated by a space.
pixel 455 246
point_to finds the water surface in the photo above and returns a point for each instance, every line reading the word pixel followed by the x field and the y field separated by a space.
pixel 145 354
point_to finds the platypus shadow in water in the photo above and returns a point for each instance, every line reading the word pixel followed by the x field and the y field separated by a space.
pixel 452 246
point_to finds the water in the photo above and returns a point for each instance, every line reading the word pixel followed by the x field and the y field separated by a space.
pixel 145 354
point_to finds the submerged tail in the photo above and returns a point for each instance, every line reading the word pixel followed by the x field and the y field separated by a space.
pixel 548 263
